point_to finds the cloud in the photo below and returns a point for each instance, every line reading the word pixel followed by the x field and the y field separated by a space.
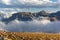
pixel 10 10
pixel 31 26
pixel 2 25
pixel 7 2
pixel 10 6
pixel 58 3
pixel 21 26
pixel 29 3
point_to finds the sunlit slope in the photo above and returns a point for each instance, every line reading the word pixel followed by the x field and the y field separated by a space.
pixel 28 36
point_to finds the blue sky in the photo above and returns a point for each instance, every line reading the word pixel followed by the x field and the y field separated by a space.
pixel 54 0
pixel 30 5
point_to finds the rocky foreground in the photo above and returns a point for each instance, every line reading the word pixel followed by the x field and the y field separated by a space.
pixel 28 36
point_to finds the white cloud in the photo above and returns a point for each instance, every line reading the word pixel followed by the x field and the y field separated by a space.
pixel 36 2
pixel 7 2
pixel 29 2
pixel 31 26
pixel 16 4
pixel 2 25
pixel 58 3
pixel 20 26
pixel 10 10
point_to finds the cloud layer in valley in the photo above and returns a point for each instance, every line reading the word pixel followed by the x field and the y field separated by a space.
pixel 31 26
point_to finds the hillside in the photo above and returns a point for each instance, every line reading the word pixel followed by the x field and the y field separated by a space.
pixel 28 36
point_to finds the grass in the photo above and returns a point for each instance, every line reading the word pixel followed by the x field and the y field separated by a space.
pixel 29 36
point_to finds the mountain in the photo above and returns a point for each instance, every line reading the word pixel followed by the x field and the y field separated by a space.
pixel 21 16
pixel 56 15
pixel 41 13
pixel 28 16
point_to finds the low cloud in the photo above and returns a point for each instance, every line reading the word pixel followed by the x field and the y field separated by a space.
pixel 31 26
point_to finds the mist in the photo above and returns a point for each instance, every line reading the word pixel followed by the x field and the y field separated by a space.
pixel 31 26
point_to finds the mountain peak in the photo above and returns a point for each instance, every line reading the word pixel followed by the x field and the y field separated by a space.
pixel 43 12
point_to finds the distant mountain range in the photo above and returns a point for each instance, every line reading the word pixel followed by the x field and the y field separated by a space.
pixel 28 16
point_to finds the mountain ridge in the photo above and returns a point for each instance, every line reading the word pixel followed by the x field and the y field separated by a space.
pixel 28 16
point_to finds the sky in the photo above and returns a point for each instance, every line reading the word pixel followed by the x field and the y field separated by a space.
pixel 29 5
